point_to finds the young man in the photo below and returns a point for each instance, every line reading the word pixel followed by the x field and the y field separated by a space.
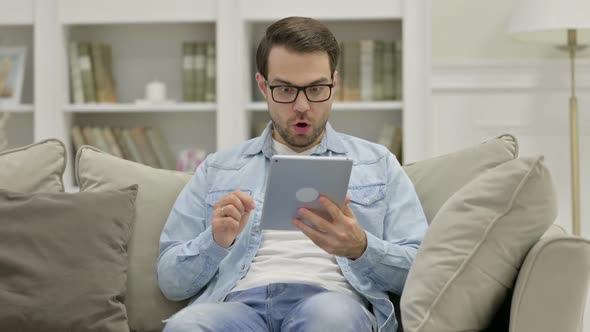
pixel 243 279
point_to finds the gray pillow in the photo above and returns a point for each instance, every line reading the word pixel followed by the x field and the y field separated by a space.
pixel 437 179
pixel 63 260
pixel 158 189
pixel 470 256
pixel 33 168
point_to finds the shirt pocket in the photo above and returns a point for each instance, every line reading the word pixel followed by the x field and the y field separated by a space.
pixel 215 195
pixel 367 194
pixel 368 205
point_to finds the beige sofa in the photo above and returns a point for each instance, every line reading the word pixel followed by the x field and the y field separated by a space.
pixel 491 260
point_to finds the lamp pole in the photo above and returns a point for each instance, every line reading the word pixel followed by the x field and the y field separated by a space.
pixel 575 163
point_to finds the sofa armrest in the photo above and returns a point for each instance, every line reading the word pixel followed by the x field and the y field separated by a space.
pixel 552 286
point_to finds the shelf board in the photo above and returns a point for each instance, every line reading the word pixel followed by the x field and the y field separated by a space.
pixel 20 108
pixel 136 11
pixel 344 106
pixel 141 108
pixel 323 10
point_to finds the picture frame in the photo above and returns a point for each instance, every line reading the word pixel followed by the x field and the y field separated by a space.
pixel 12 72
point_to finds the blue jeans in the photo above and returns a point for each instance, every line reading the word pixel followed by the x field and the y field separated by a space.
pixel 276 307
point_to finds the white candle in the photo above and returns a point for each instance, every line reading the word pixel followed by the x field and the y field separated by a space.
pixel 155 91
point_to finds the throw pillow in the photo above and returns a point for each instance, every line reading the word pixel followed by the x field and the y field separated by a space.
pixel 470 256
pixel 158 189
pixel 63 260
pixel 437 179
pixel 33 168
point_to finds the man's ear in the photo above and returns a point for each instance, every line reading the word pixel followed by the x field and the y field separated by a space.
pixel 261 84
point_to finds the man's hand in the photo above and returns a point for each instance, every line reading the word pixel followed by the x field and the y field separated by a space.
pixel 230 215
pixel 341 236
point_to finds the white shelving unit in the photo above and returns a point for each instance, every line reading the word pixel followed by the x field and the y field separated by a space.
pixel 16 30
pixel 146 39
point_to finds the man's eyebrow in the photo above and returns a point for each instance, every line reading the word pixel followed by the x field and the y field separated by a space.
pixel 281 81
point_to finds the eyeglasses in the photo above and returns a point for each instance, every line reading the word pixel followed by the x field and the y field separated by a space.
pixel 286 94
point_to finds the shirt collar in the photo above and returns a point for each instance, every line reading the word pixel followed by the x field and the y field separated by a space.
pixel 331 141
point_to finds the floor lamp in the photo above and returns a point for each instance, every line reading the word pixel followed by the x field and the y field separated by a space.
pixel 565 23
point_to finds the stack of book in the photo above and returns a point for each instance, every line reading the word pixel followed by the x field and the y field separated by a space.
pixel 91 73
pixel 144 145
pixel 198 71
pixel 370 70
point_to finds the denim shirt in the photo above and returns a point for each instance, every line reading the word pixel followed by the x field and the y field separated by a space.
pixel 383 199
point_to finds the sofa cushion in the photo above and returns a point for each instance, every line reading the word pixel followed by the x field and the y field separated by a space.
pixel 470 256
pixel 158 189
pixel 63 260
pixel 437 179
pixel 33 168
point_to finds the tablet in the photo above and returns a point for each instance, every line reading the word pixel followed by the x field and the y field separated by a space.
pixel 295 181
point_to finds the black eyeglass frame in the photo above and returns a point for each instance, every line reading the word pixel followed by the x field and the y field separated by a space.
pixel 299 88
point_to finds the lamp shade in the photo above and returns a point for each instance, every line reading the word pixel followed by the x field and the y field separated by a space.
pixel 548 20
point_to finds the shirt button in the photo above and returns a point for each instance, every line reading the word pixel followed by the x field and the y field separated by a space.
pixel 256 229
pixel 243 267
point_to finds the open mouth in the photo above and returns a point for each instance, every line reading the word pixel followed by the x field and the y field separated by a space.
pixel 302 127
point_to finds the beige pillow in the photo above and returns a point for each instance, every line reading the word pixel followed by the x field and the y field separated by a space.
pixel 471 253
pixel 158 189
pixel 63 260
pixel 34 168
pixel 437 179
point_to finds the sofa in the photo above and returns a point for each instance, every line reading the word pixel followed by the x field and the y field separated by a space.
pixel 492 259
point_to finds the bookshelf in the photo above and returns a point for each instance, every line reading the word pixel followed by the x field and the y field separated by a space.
pixel 16 30
pixel 146 44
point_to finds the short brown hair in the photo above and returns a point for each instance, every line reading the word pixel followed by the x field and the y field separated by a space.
pixel 299 34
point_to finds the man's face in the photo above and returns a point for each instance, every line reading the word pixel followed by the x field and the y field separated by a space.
pixel 300 124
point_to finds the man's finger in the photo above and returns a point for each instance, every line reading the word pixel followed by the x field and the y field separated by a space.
pixel 348 211
pixel 332 208
pixel 246 199
pixel 314 235
pixel 320 223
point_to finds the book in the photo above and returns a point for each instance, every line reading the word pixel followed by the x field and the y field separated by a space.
pixel 351 68
pixel 211 73
pixel 144 148
pixel 100 140
pixel 366 70
pixel 86 72
pixel 398 70
pixel 161 148
pixel 121 143
pixel 76 88
pixel 89 136
pixel 77 138
pixel 131 147
pixel 338 91
pixel 200 70
pixel 103 76
pixel 111 141
pixel 188 81
pixel 388 70
pixel 378 70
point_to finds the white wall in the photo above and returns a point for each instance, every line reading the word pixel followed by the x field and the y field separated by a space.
pixel 477 29
pixel 485 83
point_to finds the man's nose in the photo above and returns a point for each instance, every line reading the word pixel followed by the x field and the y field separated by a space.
pixel 301 104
